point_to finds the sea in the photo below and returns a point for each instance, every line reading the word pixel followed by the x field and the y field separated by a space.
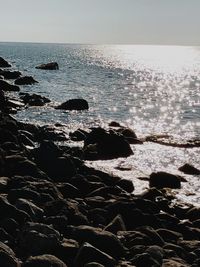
pixel 154 90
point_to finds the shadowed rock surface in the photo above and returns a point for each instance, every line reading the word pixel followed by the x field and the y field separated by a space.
pixel 48 66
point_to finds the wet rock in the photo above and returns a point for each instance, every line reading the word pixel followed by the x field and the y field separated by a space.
pixel 34 99
pixel 48 66
pixel 114 124
pixel 10 74
pixel 38 238
pixel 5 86
pixel 103 240
pixel 101 144
pixel 129 135
pixel 88 253
pixel 26 80
pixel 45 260
pixel 4 63
pixel 163 179
pixel 74 104
pixel 189 169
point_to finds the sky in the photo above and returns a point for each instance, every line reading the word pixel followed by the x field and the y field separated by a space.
pixel 167 22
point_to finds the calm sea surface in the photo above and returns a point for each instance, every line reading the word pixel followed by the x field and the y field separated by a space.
pixel 152 89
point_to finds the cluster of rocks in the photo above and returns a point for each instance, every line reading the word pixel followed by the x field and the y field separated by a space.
pixel 56 211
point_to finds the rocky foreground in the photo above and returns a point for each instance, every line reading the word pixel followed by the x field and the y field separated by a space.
pixel 55 211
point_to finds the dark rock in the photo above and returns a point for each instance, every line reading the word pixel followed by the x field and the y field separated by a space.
pixel 193 213
pixel 89 253
pixel 93 264
pixel 34 212
pixel 129 135
pixel 5 86
pixel 38 238
pixel 34 99
pixel 74 104
pixel 114 124
pixel 10 74
pixel 101 144
pixel 174 262
pixel 189 169
pixel 69 191
pixel 78 135
pixel 163 179
pixel 117 224
pixel 169 235
pixel 156 253
pixel 26 80
pixel 126 185
pixel 48 66
pixel 4 63
pixel 103 240
pixel 7 260
pixel 67 251
pixel 144 259
pixel 45 260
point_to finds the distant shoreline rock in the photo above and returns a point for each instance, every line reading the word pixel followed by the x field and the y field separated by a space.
pixel 48 66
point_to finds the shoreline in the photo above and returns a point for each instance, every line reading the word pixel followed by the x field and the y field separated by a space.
pixel 57 210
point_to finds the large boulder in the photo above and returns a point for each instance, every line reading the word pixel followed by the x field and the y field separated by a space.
pixel 164 179
pixel 34 99
pixel 26 80
pixel 102 144
pixel 5 86
pixel 4 63
pixel 74 104
pixel 48 66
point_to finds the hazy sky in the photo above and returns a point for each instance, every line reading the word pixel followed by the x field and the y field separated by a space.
pixel 101 21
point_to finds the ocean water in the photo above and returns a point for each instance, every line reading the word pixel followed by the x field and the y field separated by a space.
pixel 152 89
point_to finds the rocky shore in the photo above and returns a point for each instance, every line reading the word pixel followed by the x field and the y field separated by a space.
pixel 55 211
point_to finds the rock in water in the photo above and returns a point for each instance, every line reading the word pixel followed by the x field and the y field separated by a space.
pixel 74 104
pixel 5 86
pixel 4 63
pixel 10 74
pixel 48 66
pixel 34 99
pixel 26 80
pixel 189 169
pixel 101 144
pixel 164 179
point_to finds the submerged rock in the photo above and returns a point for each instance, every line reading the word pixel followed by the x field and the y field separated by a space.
pixel 26 80
pixel 4 63
pixel 48 66
pixel 74 104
